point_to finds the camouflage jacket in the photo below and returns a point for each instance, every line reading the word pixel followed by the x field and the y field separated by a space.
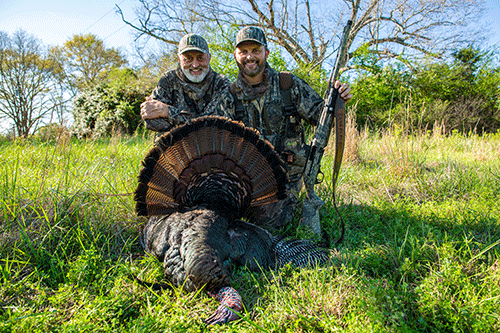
pixel 185 99
pixel 263 109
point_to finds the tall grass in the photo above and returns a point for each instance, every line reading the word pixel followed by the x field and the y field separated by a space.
pixel 421 251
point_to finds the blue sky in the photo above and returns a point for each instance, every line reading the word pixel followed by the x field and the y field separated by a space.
pixel 55 21
pixel 492 18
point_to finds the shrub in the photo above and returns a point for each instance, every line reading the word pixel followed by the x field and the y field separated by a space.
pixel 462 95
pixel 112 106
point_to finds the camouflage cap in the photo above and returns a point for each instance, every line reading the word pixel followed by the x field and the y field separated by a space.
pixel 192 42
pixel 253 34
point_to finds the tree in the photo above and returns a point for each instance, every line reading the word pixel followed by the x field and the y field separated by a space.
pixel 112 105
pixel 380 97
pixel 382 28
pixel 28 82
pixel 86 60
pixel 467 90
pixel 461 95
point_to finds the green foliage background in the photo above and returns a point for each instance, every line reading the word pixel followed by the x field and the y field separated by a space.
pixel 462 96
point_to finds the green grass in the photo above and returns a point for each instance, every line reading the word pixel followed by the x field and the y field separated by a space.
pixel 421 250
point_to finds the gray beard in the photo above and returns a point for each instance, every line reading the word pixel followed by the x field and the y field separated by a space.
pixel 196 78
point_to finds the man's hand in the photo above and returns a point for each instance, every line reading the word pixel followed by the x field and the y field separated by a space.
pixel 344 90
pixel 151 109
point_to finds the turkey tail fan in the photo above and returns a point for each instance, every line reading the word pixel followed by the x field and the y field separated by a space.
pixel 209 160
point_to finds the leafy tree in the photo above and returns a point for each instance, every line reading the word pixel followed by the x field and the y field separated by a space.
pixel 222 48
pixel 154 66
pixel 111 106
pixel 378 96
pixel 28 82
pixel 316 77
pixel 466 91
pixel 86 60
pixel 462 95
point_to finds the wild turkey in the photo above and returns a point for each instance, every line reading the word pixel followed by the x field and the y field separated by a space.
pixel 196 185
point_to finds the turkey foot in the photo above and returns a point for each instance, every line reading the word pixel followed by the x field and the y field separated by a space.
pixel 230 305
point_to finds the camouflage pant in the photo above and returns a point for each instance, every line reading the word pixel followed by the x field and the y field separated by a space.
pixel 276 215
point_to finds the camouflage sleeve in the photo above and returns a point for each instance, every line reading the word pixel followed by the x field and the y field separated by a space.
pixel 158 124
pixel 222 103
pixel 162 93
pixel 309 103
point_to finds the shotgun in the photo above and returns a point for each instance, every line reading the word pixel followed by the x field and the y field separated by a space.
pixel 333 108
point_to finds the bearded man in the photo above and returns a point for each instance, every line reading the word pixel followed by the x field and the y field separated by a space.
pixel 187 91
pixel 278 105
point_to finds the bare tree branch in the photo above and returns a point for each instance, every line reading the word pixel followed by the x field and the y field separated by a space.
pixel 27 82
pixel 304 28
pixel 144 29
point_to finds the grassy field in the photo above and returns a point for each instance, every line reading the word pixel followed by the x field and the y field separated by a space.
pixel 421 251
